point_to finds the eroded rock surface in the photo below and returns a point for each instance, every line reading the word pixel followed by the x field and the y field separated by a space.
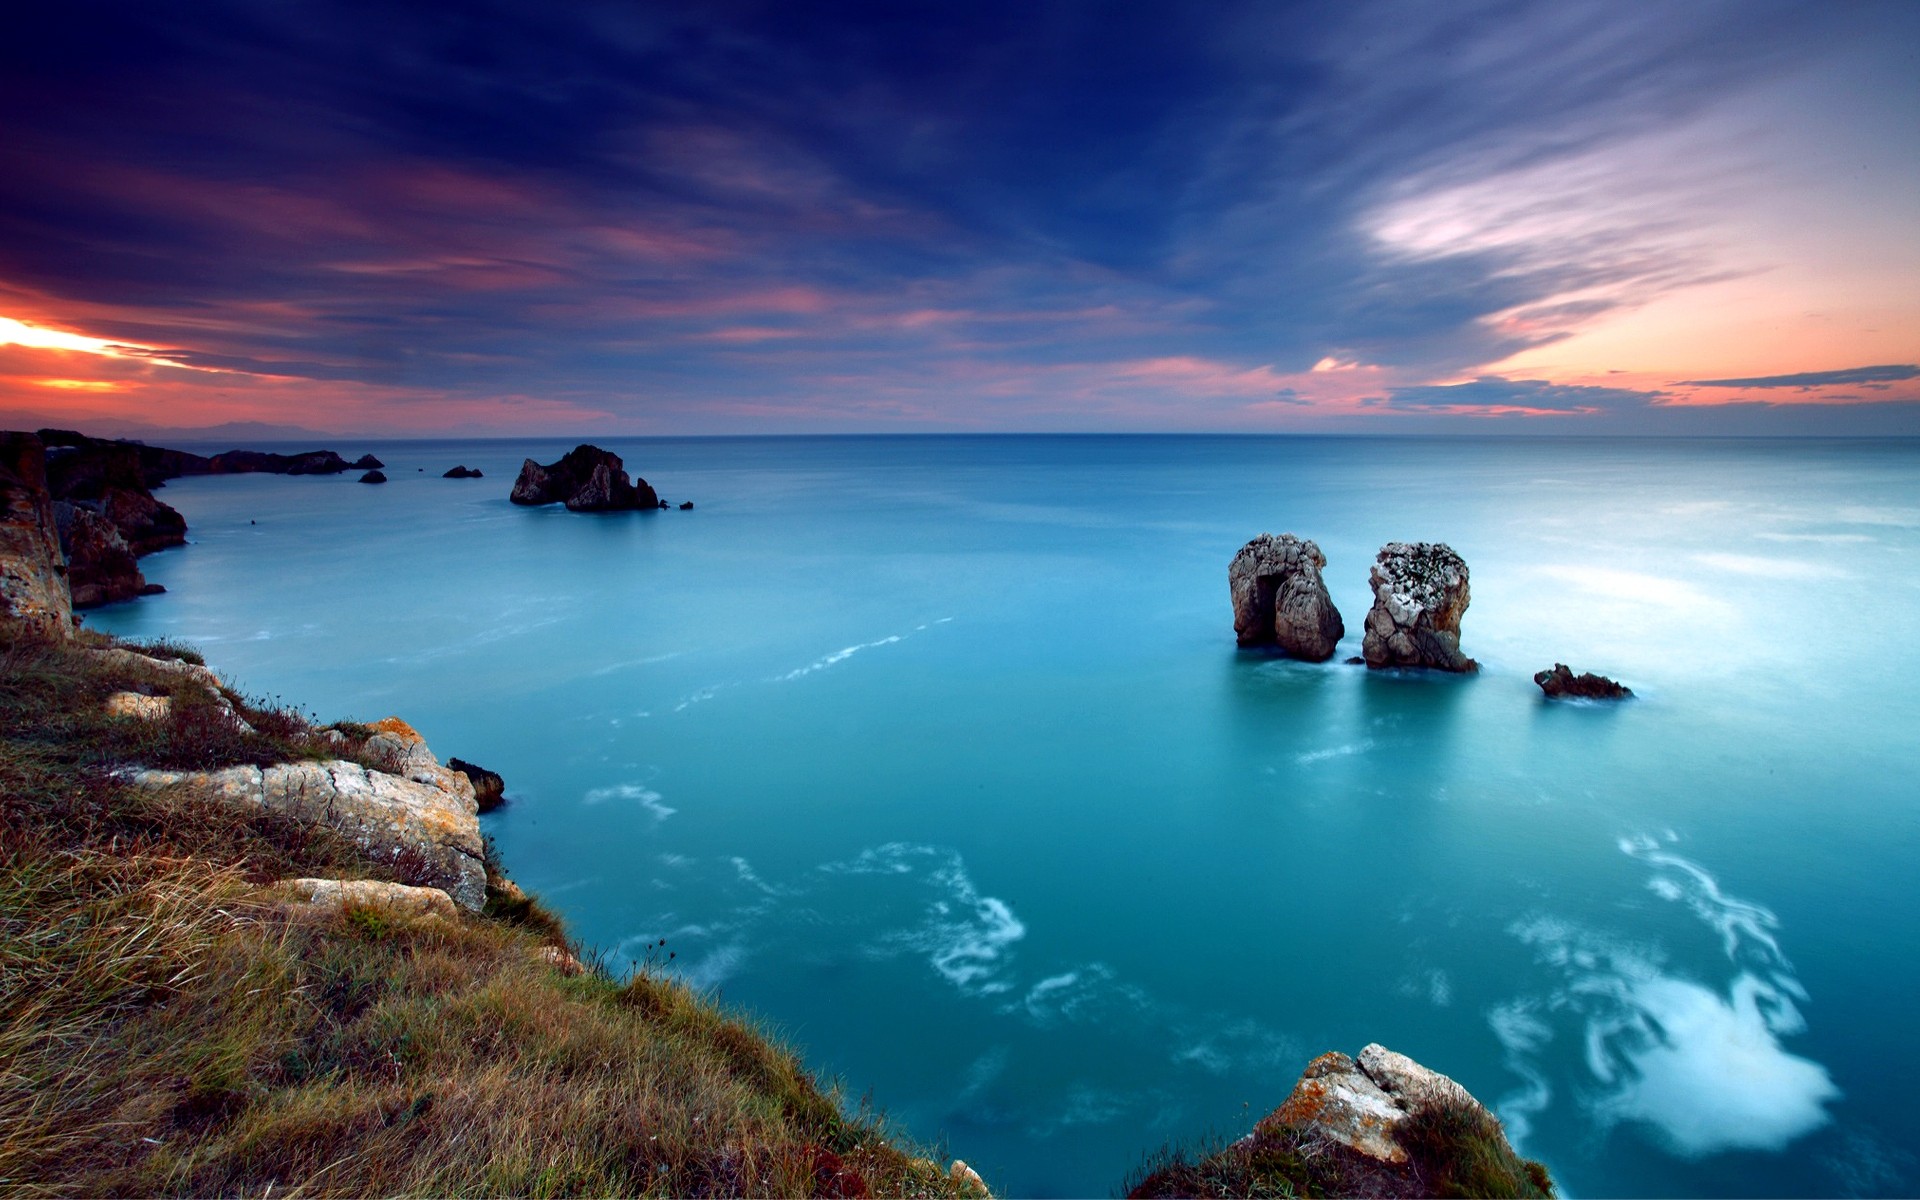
pixel 586 479
pixel 1561 682
pixel 336 895
pixel 101 567
pixel 1419 595
pixel 422 812
pixel 33 573
pixel 141 707
pixel 1280 599
pixel 1361 1104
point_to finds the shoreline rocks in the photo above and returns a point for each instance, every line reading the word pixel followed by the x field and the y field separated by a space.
pixel 1420 593
pixel 33 571
pixel 1280 599
pixel 1562 683
pixel 489 790
pixel 463 472
pixel 585 479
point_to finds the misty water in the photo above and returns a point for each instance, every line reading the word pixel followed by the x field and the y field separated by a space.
pixel 937 755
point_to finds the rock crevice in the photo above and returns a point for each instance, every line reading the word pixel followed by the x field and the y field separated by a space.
pixel 1280 599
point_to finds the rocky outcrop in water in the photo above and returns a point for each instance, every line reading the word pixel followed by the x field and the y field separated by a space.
pixel 420 814
pixel 1279 598
pixel 1419 595
pixel 1561 683
pixel 586 479
pixel 374 477
pixel 367 462
pixel 463 472
pixel 33 573
pixel 489 790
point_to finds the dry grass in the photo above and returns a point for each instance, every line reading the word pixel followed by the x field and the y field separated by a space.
pixel 166 1029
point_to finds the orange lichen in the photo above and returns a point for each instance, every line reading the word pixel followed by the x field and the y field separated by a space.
pixel 398 728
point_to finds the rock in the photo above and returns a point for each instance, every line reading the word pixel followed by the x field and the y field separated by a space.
pixel 1362 1104
pixel 1280 599
pixel 1562 682
pixel 367 462
pixel 686 506
pixel 489 790
pixel 338 895
pixel 140 707
pixel 966 1179
pixel 463 472
pixel 1419 595
pixel 586 479
pixel 422 812
pixel 111 479
pixel 561 961
pixel 373 477
pixel 157 463
pixel 309 462
pixel 100 565
pixel 33 572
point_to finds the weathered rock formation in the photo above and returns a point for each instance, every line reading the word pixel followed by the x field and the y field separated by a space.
pixel 367 462
pixel 33 573
pixel 337 895
pixel 1280 599
pixel 1360 1104
pixel 307 462
pixel 586 479
pixel 101 568
pixel 139 706
pixel 1562 682
pixel 374 477
pixel 489 790
pixel 421 814
pixel 1419 595
pixel 463 472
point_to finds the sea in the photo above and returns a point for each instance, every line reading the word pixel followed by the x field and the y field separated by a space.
pixel 936 756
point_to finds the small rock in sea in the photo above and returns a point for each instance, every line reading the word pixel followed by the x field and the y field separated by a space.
pixel 1419 595
pixel 1562 682
pixel 585 479
pixel 462 472
pixel 489 790
pixel 367 462
pixel 1355 661
pixel 686 506
pixel 373 477
pixel 664 504
pixel 152 589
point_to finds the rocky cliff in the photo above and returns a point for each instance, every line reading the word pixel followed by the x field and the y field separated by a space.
pixel 33 572
pixel 1419 595
pixel 1279 598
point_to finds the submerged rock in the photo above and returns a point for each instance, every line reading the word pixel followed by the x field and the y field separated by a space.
pixel 463 472
pixel 1280 599
pixel 1562 682
pixel 489 790
pixel 1419 595
pixel 33 572
pixel 374 477
pixel 586 479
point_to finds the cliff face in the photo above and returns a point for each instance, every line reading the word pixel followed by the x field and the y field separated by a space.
pixel 33 572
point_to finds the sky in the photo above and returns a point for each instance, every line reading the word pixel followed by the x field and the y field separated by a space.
pixel 516 218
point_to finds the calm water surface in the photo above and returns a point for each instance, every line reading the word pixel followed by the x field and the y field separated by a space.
pixel 938 755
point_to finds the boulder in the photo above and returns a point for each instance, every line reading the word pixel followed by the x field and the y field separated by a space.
pixel 463 472
pixel 420 813
pixel 374 477
pixel 1279 598
pixel 367 462
pixel 338 895
pixel 139 707
pixel 1561 682
pixel 489 790
pixel 1419 595
pixel 586 479
pixel 686 506
pixel 33 572
pixel 100 565
pixel 1361 1104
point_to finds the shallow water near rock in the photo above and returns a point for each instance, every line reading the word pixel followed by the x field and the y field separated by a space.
pixel 938 754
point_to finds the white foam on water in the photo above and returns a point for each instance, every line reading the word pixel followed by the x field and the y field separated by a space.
pixel 1351 748
pixel 1760 567
pixel 640 794
pixel 838 656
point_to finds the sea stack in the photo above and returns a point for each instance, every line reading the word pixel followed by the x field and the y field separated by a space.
pixel 586 479
pixel 1419 595
pixel 1562 683
pixel 1279 598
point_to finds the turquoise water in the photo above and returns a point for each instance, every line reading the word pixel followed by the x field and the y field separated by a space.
pixel 938 754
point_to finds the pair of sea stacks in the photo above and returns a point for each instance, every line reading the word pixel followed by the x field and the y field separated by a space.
pixel 1419 595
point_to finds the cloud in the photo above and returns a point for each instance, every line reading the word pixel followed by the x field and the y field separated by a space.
pixel 1493 396
pixel 1897 373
